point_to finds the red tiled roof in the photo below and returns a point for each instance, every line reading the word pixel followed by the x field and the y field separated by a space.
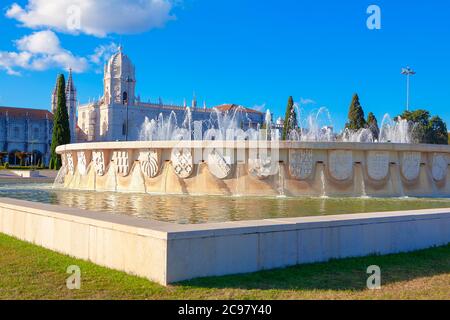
pixel 36 114
pixel 227 107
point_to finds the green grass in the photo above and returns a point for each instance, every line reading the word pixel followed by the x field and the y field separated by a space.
pixel 31 272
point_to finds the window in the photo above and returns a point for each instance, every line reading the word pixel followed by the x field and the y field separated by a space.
pixel 36 133
pixel 125 98
pixel 16 132
pixel 124 129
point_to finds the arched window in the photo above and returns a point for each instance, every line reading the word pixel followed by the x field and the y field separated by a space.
pixel 125 98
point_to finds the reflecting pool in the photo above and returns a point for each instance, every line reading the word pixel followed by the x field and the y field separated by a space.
pixel 201 209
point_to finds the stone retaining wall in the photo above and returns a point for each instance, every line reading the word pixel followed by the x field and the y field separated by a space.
pixel 167 253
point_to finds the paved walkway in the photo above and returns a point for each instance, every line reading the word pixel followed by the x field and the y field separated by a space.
pixel 44 176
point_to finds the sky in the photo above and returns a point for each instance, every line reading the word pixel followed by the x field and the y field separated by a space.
pixel 249 52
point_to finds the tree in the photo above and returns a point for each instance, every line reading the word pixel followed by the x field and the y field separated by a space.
pixel 61 129
pixel 420 120
pixel 3 154
pixel 427 129
pixel 437 131
pixel 356 119
pixel 22 156
pixel 290 120
pixel 419 116
pixel 372 125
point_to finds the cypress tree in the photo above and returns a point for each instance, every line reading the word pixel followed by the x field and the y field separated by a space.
pixel 372 125
pixel 61 129
pixel 290 119
pixel 356 119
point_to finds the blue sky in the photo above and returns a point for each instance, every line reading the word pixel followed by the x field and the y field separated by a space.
pixel 248 52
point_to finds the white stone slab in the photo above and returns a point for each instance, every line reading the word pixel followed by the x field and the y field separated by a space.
pixel 166 253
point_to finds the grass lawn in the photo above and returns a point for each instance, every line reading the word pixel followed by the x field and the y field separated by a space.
pixel 31 272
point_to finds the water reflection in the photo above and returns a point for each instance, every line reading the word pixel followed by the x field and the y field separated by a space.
pixel 193 209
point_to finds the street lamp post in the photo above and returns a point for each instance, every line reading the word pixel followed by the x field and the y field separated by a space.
pixel 126 123
pixel 407 72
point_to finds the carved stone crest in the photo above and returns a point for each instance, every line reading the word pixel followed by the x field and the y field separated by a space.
pixel 341 164
pixel 64 163
pixel 262 167
pixel 218 165
pixel 122 161
pixel 301 163
pixel 63 170
pixel 70 163
pixel 82 163
pixel 439 167
pixel 182 162
pixel 411 165
pixel 149 163
pixel 378 164
pixel 98 157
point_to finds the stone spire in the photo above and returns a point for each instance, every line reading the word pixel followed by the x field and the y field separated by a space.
pixel 70 88
pixel 54 97
pixel 71 103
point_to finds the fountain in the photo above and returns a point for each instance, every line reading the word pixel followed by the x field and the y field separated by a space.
pixel 400 131
pixel 218 157
pixel 222 156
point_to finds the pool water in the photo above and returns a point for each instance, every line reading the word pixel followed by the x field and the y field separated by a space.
pixel 202 209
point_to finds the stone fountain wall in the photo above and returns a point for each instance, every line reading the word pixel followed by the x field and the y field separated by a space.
pixel 298 169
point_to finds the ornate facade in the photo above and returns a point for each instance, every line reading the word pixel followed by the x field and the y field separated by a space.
pixel 119 114
pixel 25 130
pixel 29 131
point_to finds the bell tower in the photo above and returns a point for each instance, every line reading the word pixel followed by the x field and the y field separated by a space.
pixel 120 80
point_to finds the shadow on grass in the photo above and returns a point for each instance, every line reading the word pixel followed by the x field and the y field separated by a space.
pixel 348 274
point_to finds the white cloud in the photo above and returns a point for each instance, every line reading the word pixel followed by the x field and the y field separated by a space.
pixel 38 52
pixel 94 17
pixel 103 52
pixel 45 42
pixel 10 60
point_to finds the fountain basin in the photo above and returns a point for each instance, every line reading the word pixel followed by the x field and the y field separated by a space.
pixel 168 253
pixel 258 168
